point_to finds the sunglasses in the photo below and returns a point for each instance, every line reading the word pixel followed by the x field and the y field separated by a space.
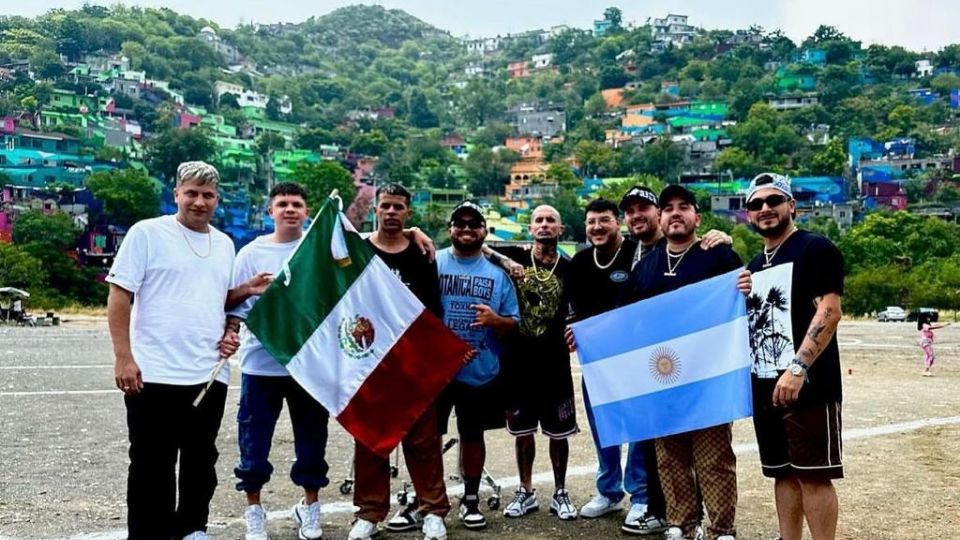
pixel 772 201
pixel 467 224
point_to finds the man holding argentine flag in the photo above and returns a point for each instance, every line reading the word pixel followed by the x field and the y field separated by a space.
pixel 694 449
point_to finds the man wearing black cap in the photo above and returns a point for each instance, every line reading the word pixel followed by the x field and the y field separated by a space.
pixel 479 305
pixel 700 461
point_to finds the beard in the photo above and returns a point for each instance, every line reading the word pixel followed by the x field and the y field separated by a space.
pixel 468 247
pixel 771 232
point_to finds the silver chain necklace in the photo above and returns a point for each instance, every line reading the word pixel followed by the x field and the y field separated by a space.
pixel 769 255
pixel 672 269
pixel 190 245
pixel 605 266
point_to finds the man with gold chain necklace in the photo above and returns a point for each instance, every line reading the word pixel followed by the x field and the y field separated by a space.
pixel 538 352
pixel 700 463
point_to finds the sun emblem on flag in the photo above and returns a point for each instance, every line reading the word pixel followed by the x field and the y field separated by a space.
pixel 665 365
pixel 356 336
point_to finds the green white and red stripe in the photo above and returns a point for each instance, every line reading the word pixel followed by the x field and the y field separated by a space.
pixel 354 336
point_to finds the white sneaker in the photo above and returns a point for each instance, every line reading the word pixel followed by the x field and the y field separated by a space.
pixel 598 506
pixel 562 506
pixel 196 535
pixel 362 530
pixel 640 521
pixel 674 533
pixel 470 514
pixel 433 528
pixel 406 519
pixel 727 537
pixel 256 519
pixel 522 504
pixel 307 517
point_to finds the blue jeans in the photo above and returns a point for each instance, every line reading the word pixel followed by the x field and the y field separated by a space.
pixel 640 479
pixel 261 400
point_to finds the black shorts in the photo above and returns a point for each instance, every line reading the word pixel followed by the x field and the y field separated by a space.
pixel 543 399
pixel 479 408
pixel 800 441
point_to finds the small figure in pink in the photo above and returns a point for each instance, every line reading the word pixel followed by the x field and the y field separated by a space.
pixel 926 343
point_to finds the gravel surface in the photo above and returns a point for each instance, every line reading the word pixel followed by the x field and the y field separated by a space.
pixel 63 448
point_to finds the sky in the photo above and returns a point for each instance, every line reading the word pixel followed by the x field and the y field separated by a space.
pixel 920 25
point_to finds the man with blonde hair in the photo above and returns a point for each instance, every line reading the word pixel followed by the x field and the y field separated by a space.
pixel 165 310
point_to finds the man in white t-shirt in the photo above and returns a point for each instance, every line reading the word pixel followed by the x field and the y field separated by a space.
pixel 168 287
pixel 265 383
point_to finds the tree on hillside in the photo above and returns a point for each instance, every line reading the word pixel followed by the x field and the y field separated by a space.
pixel 20 269
pixel 319 179
pixel 55 229
pixel 488 171
pixel 419 113
pixel 831 160
pixel 174 146
pixel 479 102
pixel 128 195
pixel 614 16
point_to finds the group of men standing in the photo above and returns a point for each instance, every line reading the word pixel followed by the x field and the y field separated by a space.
pixel 178 300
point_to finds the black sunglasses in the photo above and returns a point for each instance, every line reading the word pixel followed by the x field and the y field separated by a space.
pixel 772 201
pixel 467 224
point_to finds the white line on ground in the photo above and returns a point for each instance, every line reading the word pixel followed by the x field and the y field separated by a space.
pixel 89 366
pixel 513 481
pixel 71 393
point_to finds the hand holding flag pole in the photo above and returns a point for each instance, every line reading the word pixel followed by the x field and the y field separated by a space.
pixel 213 377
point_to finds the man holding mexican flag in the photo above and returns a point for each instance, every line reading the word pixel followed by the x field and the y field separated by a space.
pixel 353 336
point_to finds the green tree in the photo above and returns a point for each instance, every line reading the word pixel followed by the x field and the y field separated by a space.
pixel 479 102
pixel 370 144
pixel 20 269
pixel 174 146
pixel 563 175
pixel 614 16
pixel 488 171
pixel 56 229
pixel 320 179
pixel 128 195
pixel 831 160
pixel 737 161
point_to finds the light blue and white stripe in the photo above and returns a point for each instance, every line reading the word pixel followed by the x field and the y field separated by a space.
pixel 674 363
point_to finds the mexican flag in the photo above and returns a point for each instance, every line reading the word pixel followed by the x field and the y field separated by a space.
pixel 354 336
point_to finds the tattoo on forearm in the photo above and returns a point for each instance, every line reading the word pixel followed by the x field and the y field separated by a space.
pixel 815 331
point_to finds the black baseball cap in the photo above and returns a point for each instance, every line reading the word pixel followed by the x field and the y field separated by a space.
pixel 639 193
pixel 468 207
pixel 676 191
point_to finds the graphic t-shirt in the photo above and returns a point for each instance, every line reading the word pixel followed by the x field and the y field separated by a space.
pixel 781 307
pixel 179 279
pixel 261 255
pixel 593 290
pixel 542 294
pixel 651 276
pixel 416 272
pixel 470 281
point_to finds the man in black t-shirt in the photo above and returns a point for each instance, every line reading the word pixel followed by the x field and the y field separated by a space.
pixel 702 462
pixel 421 446
pixel 794 311
pixel 536 368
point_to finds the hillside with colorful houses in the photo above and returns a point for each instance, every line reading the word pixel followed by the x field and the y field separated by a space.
pixel 557 115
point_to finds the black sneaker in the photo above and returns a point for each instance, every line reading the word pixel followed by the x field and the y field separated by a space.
pixel 470 513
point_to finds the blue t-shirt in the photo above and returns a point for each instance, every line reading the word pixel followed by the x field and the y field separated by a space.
pixel 469 281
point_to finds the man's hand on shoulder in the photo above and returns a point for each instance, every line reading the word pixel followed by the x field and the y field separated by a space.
pixel 715 238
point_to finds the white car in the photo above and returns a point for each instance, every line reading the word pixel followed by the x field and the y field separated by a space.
pixel 892 313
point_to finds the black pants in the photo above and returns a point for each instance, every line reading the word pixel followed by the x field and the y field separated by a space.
pixel 163 423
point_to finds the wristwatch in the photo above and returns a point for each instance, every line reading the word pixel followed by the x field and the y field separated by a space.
pixel 798 369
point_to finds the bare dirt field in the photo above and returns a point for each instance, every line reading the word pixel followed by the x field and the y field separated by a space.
pixel 63 449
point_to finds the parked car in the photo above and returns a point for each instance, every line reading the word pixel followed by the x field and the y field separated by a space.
pixel 928 314
pixel 892 313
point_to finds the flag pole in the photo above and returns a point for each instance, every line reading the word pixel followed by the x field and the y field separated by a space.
pixel 213 377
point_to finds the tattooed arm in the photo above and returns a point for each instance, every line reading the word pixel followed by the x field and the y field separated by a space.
pixel 818 336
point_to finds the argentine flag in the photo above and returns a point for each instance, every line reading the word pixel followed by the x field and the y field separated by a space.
pixel 674 363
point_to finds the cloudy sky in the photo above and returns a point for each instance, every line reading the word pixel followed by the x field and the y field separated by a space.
pixel 919 24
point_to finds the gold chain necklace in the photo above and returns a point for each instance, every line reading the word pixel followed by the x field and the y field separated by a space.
pixel 189 245
pixel 672 270
pixel 769 255
pixel 605 266
pixel 536 271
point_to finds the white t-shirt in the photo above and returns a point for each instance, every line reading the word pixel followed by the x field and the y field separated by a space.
pixel 261 255
pixel 178 301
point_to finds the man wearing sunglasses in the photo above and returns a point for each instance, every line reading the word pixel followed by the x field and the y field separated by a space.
pixel 480 306
pixel 794 310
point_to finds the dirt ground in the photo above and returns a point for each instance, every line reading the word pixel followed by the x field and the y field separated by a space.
pixel 63 449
